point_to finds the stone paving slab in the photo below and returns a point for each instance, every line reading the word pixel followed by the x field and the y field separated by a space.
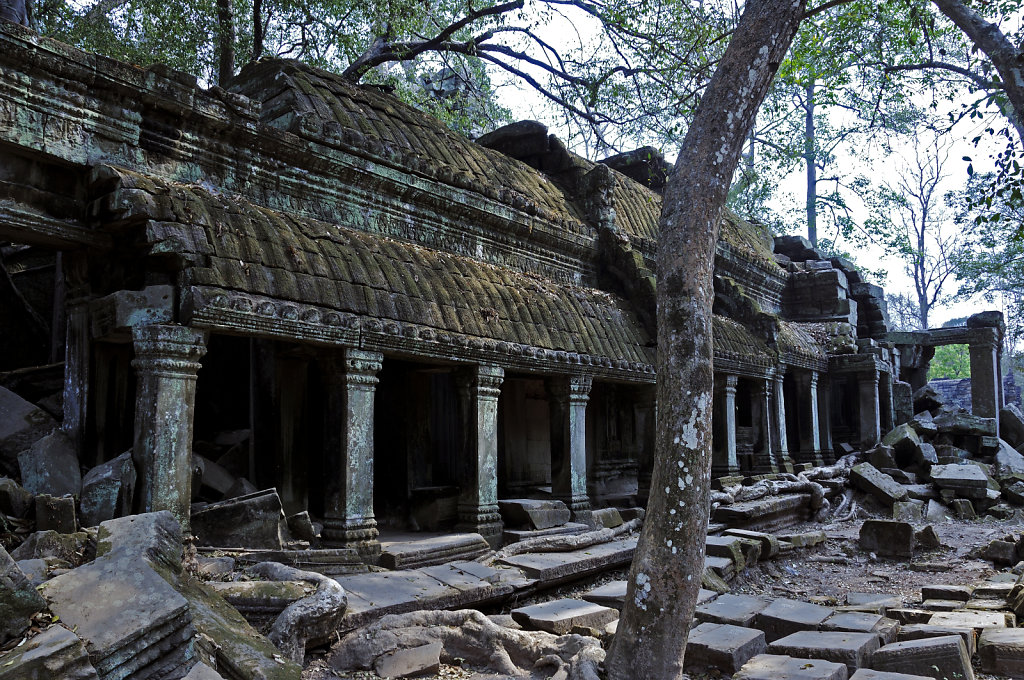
pixel 424 552
pixel 976 620
pixel 947 592
pixel 942 658
pixel 532 513
pixel 1001 651
pixel 611 594
pixel 561 616
pixel 993 589
pixel 908 615
pixel 569 528
pixel 942 605
pixel 784 617
pixel 723 646
pixel 765 514
pixel 917 631
pixel 869 674
pixel 878 603
pixel 852 649
pixel 554 568
pixel 776 667
pixel 863 622
pixel 737 610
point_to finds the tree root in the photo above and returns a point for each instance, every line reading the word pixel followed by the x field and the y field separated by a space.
pixel 467 634
pixel 566 543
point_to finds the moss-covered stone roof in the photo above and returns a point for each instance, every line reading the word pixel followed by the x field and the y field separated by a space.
pixel 803 344
pixel 297 96
pixel 234 245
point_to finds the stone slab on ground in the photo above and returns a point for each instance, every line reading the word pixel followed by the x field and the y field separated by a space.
pixel 954 476
pixel 406 663
pixel 780 667
pixel 947 592
pixel 769 543
pixel 784 617
pixel 863 622
pixel 553 568
pixel 738 550
pixel 608 518
pixel 723 646
pixel 22 424
pixel 203 672
pixel 54 654
pixel 326 561
pixel 722 566
pixel 976 620
pixel 993 589
pixel 881 486
pixel 879 603
pixel 567 529
pixel 612 594
pixel 918 631
pixel 254 520
pixel 50 466
pixel 530 513
pixel 942 605
pixel 852 649
pixel 870 674
pixel 737 610
pixel 1001 651
pixel 887 537
pixel 942 658
pixel 425 552
pixel 765 514
pixel 561 616
pixel 107 490
pixel 18 598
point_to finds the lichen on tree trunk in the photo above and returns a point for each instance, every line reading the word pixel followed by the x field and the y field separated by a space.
pixel 665 575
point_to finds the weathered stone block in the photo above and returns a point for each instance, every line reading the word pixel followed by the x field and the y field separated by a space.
pixel 1008 466
pixel 852 649
pixel 608 518
pixel 736 610
pixel 1011 425
pixel 958 477
pixel 611 594
pixel 776 667
pixel 863 622
pixel 883 487
pixel 22 424
pixel 908 511
pixel 50 466
pixel 738 550
pixel 1001 651
pixel 927 398
pixel 784 617
pixel 43 544
pixel 1001 552
pixel 535 514
pixel 203 672
pixel 882 456
pixel 14 500
pixel 55 514
pixel 957 592
pixel 918 631
pixel 887 537
pixel 406 663
pixel 253 521
pixel 972 619
pixel 561 616
pixel 54 654
pixel 722 646
pixel 769 543
pixel 869 674
pixel 18 598
pixel 942 658
pixel 904 441
pixel 107 490
pixel 961 422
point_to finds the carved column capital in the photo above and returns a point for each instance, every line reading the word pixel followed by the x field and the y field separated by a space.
pixel 361 367
pixel 573 388
pixel 168 351
pixel 731 381
pixel 485 379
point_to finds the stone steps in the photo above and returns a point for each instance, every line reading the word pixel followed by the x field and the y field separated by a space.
pixel 425 552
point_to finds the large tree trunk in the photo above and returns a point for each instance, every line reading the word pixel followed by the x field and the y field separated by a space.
pixel 225 42
pixel 14 10
pixel 666 572
pixel 1007 59
pixel 810 158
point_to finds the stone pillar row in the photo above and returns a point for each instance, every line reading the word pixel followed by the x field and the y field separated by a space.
pixel 731 381
pixel 568 401
pixel 479 388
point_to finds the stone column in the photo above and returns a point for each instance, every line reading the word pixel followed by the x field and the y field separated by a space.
pixel 730 423
pixel 810 432
pixel 77 362
pixel 479 388
pixel 870 424
pixel 647 414
pixel 569 397
pixel 782 438
pixel 166 362
pixel 985 379
pixel 825 420
pixel 761 418
pixel 348 452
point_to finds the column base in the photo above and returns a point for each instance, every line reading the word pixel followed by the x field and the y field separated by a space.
pixel 360 535
pixel 579 509
pixel 484 520
pixel 785 464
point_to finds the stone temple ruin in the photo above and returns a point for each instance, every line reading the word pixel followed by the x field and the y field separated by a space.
pixel 310 325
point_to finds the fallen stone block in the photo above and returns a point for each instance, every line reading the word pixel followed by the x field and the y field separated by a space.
pixel 769 543
pixel 905 443
pixel 1000 552
pixel 42 544
pixel 1011 425
pixel 958 592
pixel 908 511
pixel 54 654
pixel 533 514
pixel 942 605
pixel 561 616
pixel 910 615
pixel 1008 464
pixel 784 617
pixel 927 398
pixel 1001 651
pixel 877 603
pixel 971 619
pixel 203 672
pixel 961 422
pixel 881 486
pixel 609 518
pixel 806 539
pixel 431 551
pixel 611 594
pixel 18 598
pixel 924 425
pixel 22 424
pixel 107 490
pixel 882 456
pixel 963 508
pixel 852 649
pixel 253 521
pixel 780 667
pixel 942 658
pixel 918 631
pixel 887 537
pixel 722 646
pixel 14 500
pixel 937 512
pixel 738 550
pixel 863 622
pixel 50 466
pixel 869 674
pixel 405 663
pixel 927 539
pixel 301 527
pixel 959 477
pixel 736 610
pixel 55 514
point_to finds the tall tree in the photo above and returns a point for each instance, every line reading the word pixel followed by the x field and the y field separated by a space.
pixel 665 575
